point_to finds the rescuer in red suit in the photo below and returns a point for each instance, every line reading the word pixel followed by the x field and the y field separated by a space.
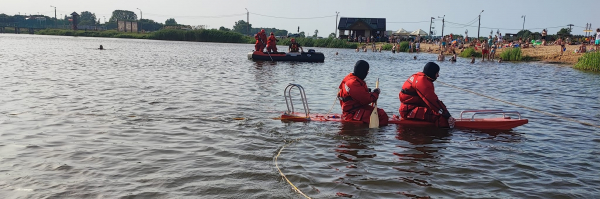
pixel 272 43
pixel 418 100
pixel 263 39
pixel 258 44
pixel 355 98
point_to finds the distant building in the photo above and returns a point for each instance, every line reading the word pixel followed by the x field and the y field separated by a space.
pixel 127 26
pixel 356 27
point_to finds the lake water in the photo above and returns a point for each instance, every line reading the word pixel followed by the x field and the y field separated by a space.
pixel 157 119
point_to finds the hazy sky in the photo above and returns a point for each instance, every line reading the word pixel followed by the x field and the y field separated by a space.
pixel 284 14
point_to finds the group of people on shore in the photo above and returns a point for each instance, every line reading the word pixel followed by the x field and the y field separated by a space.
pixel 583 48
pixel 271 43
pixel 418 100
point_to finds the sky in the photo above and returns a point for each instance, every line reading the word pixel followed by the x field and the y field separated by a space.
pixel 311 15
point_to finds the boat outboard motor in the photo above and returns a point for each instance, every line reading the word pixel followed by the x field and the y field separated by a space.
pixel 311 50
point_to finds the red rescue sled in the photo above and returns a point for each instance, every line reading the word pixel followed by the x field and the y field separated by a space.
pixel 498 123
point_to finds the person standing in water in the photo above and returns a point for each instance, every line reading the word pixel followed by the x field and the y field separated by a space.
pixel 101 48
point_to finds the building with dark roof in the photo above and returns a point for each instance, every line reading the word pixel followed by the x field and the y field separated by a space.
pixel 357 27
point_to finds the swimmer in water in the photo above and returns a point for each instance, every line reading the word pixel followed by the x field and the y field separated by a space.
pixel 101 48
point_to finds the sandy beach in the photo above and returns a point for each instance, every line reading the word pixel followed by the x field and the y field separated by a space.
pixel 548 54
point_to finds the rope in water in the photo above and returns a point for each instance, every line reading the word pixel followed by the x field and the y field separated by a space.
pixel 334 101
pixel 525 107
pixel 283 175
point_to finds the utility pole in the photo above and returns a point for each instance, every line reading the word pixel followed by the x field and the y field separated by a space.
pixel 141 17
pixel 523 16
pixel 479 26
pixel 54 12
pixel 443 23
pixel 141 14
pixel 55 20
pixel 248 21
pixel 570 27
pixel 336 21
pixel 585 30
pixel 431 22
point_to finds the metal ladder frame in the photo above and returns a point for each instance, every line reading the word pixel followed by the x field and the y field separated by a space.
pixel 288 99
pixel 475 112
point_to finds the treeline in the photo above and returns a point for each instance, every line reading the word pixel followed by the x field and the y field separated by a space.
pixel 203 35
pixel 165 34
pixel 327 43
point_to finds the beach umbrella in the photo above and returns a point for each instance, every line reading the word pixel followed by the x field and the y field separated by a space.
pixel 401 32
pixel 419 32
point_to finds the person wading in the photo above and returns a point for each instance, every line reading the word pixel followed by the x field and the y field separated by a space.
pixel 418 100
pixel 355 98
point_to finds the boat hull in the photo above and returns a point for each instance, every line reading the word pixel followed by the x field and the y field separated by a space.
pixel 299 57
pixel 480 123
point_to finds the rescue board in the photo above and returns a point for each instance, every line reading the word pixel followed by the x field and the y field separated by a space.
pixel 505 122
pixel 497 123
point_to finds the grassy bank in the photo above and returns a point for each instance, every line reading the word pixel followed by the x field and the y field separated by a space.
pixel 82 33
pixel 511 54
pixel 173 35
pixel 589 61
pixel 327 43
pixel 198 36
pixel 468 52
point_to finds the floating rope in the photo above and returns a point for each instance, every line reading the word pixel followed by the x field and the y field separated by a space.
pixel 525 107
pixel 283 175
pixel 334 101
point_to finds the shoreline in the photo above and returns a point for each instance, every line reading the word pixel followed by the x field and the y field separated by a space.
pixel 547 54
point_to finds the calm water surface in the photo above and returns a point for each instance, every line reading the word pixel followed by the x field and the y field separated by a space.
pixel 157 119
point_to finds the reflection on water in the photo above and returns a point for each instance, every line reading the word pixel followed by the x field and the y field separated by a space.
pixel 157 119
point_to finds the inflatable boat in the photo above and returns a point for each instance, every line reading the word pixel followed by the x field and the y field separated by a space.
pixel 309 56
pixel 505 122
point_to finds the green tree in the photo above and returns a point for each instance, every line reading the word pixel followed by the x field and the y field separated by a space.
pixel 222 28
pixel 241 26
pixel 302 34
pixel 123 15
pixel 170 22
pixel 316 33
pixel 281 32
pixel 332 35
pixel 87 19
pixel 150 25
pixel 524 34
pixel 564 32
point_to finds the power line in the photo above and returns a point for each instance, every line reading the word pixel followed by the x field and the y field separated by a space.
pixel 502 28
pixel 293 17
pixel 410 22
pixel 216 16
